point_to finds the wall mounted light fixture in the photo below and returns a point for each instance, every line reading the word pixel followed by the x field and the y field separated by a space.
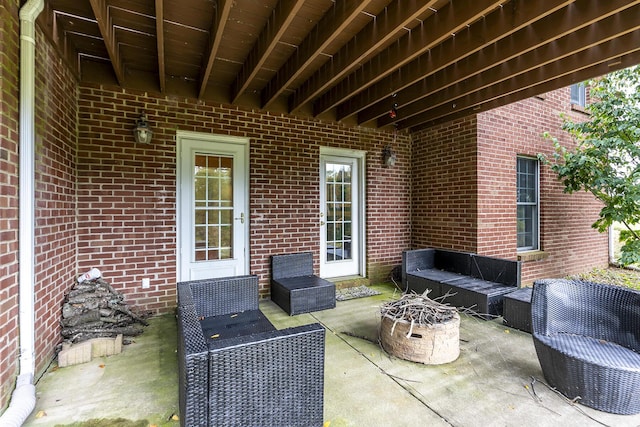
pixel 388 157
pixel 142 133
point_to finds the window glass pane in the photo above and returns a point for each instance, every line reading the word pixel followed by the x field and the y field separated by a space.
pixel 527 203
pixel 338 208
pixel 213 207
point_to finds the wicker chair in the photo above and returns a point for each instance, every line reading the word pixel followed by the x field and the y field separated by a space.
pixel 236 369
pixel 295 288
pixel 587 337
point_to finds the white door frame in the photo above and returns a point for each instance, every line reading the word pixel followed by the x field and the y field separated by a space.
pixel 180 153
pixel 360 158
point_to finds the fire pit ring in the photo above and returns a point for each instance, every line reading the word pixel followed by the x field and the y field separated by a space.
pixel 419 329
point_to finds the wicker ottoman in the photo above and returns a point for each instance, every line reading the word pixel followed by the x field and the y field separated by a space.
pixel 517 309
pixel 303 294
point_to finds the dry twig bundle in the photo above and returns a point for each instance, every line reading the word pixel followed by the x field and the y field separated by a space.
pixel 418 309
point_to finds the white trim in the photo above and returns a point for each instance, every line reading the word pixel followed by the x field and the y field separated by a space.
pixel 361 158
pixel 23 399
pixel 215 138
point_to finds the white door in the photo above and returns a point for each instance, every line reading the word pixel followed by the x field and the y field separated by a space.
pixel 212 206
pixel 341 213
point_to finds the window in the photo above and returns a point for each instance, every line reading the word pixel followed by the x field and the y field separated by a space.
pixel 527 172
pixel 578 94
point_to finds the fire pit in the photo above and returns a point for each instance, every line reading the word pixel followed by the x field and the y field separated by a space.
pixel 420 329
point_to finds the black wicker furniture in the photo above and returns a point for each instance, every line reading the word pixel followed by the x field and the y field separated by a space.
pixel 468 280
pixel 236 369
pixel 295 288
pixel 587 337
pixel 516 309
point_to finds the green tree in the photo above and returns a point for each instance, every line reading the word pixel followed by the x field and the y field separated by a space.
pixel 606 158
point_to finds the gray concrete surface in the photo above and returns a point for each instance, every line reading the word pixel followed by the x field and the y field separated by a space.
pixel 496 381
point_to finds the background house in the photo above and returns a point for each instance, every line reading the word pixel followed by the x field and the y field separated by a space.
pixel 104 201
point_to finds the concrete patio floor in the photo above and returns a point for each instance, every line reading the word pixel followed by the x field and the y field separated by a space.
pixel 490 384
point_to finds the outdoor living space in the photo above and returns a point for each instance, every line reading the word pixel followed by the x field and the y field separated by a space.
pixel 496 380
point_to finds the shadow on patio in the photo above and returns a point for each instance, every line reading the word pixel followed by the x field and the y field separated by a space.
pixel 491 383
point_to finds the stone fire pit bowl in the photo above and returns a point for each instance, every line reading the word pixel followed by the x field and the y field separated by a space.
pixel 419 329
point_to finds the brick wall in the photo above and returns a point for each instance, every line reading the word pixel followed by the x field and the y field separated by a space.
pixel 445 186
pixel 569 243
pixel 55 188
pixel 456 207
pixel 55 236
pixel 126 192
pixel 9 141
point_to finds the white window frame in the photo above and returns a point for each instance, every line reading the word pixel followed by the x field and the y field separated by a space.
pixel 579 94
pixel 535 246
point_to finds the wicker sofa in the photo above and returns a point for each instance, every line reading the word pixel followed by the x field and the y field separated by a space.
pixel 587 337
pixel 468 280
pixel 236 369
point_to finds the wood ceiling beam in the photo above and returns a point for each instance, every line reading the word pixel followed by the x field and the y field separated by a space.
pixel 162 78
pixel 502 22
pixel 101 13
pixel 434 30
pixel 556 38
pixel 377 34
pixel 619 63
pixel 215 40
pixel 600 53
pixel 277 25
pixel 339 16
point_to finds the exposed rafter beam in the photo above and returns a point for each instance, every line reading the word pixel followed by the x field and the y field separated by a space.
pixel 275 28
pixel 377 34
pixel 556 37
pixel 330 26
pixel 215 40
pixel 500 24
pixel 625 61
pixel 434 30
pixel 101 13
pixel 551 72
pixel 162 79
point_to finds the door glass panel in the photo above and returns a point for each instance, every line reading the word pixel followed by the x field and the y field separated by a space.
pixel 213 207
pixel 338 208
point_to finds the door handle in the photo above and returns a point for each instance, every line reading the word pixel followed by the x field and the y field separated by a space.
pixel 241 218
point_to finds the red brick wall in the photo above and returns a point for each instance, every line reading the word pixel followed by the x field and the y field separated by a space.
pixel 9 142
pixel 55 235
pixel 464 194
pixel 126 192
pixel 55 188
pixel 566 237
pixel 445 186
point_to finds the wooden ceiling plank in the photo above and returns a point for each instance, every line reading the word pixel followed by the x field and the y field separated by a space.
pixel 162 78
pixel 502 22
pixel 215 40
pixel 322 35
pixel 377 34
pixel 433 31
pixel 556 36
pixel 599 69
pixel 108 35
pixel 551 72
pixel 277 25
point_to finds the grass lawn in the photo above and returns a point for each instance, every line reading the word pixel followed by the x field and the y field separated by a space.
pixel 612 275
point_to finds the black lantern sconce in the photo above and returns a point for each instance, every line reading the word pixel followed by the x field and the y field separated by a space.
pixel 388 157
pixel 142 133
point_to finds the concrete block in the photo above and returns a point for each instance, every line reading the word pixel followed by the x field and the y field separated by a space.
pixel 74 354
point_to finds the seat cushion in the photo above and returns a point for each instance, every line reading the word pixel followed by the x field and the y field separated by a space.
pixel 593 350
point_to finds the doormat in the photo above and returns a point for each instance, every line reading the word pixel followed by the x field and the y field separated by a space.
pixel 355 292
